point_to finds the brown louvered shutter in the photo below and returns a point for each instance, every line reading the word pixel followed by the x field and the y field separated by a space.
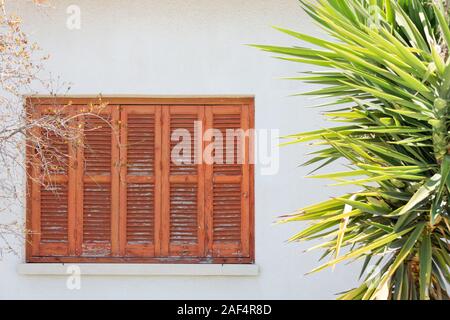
pixel 182 206
pixel 227 183
pixel 98 176
pixel 136 189
pixel 52 190
pixel 140 180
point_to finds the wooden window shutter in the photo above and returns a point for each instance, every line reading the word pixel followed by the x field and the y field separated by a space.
pixel 227 188
pixel 52 191
pixel 98 177
pixel 140 188
pixel 182 206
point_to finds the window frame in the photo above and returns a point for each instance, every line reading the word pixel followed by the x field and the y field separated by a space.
pixel 144 100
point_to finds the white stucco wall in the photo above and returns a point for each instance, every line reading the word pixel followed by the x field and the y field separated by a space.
pixel 190 47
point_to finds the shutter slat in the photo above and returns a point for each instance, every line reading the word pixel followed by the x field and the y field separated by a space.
pixel 226 208
pixel 140 213
pixel 54 213
pixel 224 122
pixel 183 214
pixel 140 144
pixel 97 145
pixel 97 213
pixel 180 164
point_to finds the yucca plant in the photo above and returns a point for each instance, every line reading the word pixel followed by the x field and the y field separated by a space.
pixel 386 70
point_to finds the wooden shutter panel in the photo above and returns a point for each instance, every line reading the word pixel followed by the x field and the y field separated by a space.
pixel 227 185
pixel 140 180
pixel 182 210
pixel 52 191
pixel 98 203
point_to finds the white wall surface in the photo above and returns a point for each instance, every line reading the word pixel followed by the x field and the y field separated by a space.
pixel 190 47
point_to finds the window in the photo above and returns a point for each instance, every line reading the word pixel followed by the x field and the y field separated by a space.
pixel 134 190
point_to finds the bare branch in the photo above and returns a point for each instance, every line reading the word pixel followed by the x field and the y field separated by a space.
pixel 21 69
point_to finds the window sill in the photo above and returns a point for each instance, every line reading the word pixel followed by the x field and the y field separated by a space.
pixel 59 269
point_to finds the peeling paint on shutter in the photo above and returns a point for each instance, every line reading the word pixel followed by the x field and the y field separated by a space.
pixel 183 213
pixel 96 219
pixel 140 213
pixel 227 213
pixel 54 235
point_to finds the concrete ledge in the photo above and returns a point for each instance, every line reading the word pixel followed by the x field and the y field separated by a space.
pixel 56 269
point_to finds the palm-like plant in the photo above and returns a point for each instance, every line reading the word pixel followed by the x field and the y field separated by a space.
pixel 388 73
